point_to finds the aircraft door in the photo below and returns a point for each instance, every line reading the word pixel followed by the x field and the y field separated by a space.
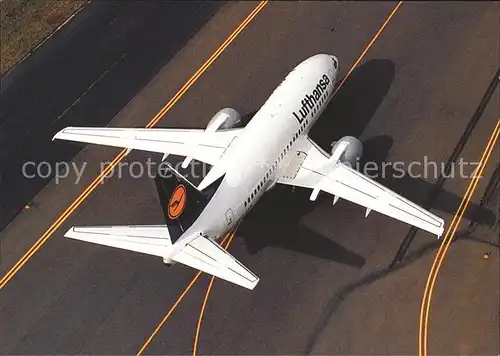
pixel 229 217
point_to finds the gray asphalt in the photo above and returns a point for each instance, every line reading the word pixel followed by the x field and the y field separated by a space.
pixel 84 75
pixel 325 285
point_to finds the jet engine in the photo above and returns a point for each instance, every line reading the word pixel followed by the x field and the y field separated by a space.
pixel 352 153
pixel 226 118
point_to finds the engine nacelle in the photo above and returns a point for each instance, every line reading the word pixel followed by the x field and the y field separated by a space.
pixel 226 118
pixel 169 262
pixel 353 152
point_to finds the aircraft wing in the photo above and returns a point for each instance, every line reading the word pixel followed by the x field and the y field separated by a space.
pixel 191 143
pixel 202 253
pixel 319 173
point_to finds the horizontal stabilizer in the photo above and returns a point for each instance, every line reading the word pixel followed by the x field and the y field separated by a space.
pixel 149 239
pixel 201 253
pixel 208 256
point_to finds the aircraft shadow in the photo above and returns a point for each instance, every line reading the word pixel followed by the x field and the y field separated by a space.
pixel 275 222
pixel 337 299
pixel 354 105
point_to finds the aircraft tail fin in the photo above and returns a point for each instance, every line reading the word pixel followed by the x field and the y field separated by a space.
pixel 181 201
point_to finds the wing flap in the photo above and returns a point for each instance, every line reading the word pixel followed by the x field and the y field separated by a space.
pixel 208 256
pixel 351 185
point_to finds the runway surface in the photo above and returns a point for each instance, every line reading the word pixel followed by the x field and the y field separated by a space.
pixel 325 285
pixel 84 75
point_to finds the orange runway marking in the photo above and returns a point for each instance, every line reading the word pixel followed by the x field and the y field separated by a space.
pixel 198 327
pixel 95 183
pixel 377 35
pixel 165 318
pixel 445 244
pixel 163 321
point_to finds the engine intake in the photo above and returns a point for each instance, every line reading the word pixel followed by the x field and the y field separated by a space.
pixel 224 119
pixel 352 153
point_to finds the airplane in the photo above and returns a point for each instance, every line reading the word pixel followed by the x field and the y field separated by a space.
pixel 273 148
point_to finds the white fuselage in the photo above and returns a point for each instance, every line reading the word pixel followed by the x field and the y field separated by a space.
pixel 260 154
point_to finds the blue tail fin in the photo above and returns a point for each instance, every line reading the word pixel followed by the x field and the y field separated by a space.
pixel 181 201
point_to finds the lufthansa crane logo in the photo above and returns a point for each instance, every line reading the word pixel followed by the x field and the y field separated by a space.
pixel 177 202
